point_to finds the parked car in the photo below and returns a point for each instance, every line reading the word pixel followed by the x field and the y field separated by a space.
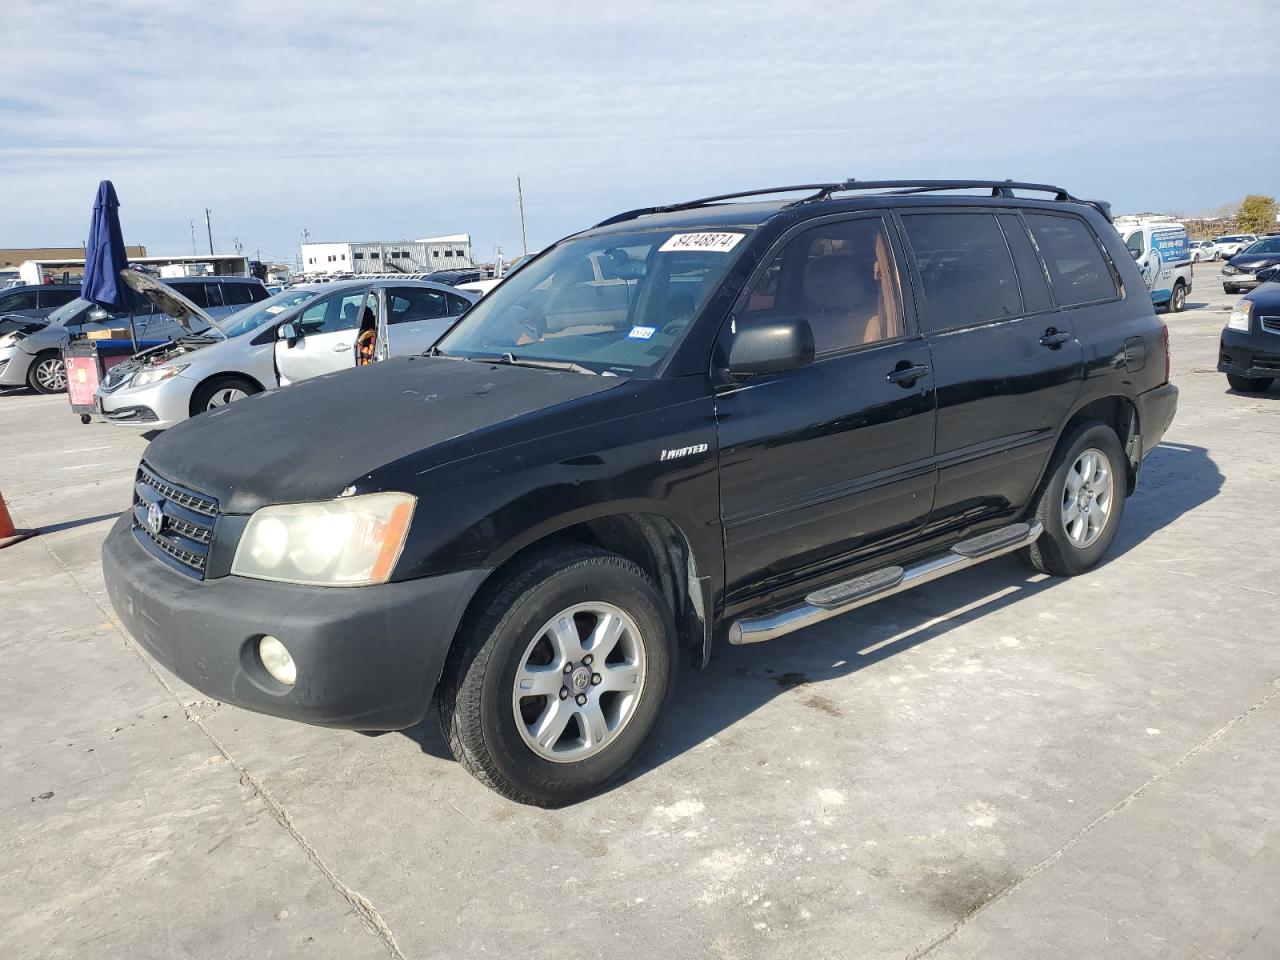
pixel 300 333
pixel 1229 246
pixel 1241 271
pixel 1249 351
pixel 1203 250
pixel 804 407
pixel 36 300
pixel 455 277
pixel 33 355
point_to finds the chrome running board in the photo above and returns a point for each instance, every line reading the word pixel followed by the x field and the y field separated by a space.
pixel 869 587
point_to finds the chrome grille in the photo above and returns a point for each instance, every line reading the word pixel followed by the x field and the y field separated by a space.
pixel 117 375
pixel 1270 324
pixel 173 523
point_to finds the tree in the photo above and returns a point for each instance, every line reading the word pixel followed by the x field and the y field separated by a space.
pixel 1257 214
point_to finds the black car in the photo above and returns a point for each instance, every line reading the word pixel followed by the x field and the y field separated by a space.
pixel 707 423
pixel 1249 352
pixel 1241 271
pixel 455 277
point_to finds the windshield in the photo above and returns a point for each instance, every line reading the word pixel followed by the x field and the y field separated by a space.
pixel 1264 246
pixel 67 311
pixel 615 304
pixel 264 311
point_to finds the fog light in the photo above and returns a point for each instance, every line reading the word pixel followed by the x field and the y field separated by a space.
pixel 276 659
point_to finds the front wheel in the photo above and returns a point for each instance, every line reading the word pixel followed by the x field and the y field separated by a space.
pixel 1081 501
pixel 559 678
pixel 47 373
pixel 1230 288
pixel 220 391
pixel 1249 384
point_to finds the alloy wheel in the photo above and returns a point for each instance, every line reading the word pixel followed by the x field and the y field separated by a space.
pixel 224 396
pixel 1087 497
pixel 51 375
pixel 579 682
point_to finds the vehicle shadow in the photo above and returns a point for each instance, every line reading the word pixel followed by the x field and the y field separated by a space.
pixel 1175 480
pixel 83 521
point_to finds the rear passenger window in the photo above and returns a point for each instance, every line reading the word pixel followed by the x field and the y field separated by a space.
pixel 236 294
pixel 195 292
pixel 1031 278
pixel 841 277
pixel 965 268
pixel 410 304
pixel 1077 270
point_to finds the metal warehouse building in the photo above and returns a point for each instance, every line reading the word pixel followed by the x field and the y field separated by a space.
pixel 389 256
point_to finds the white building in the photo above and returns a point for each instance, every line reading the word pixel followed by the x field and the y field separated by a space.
pixel 389 256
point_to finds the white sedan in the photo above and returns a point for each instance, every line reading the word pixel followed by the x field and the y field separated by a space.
pixel 1203 250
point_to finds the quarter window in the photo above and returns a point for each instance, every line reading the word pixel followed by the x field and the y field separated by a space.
pixel 235 294
pixel 965 268
pixel 841 278
pixel 457 305
pixel 1078 272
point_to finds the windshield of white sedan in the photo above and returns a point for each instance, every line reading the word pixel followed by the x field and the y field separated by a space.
pixel 252 317
pixel 613 304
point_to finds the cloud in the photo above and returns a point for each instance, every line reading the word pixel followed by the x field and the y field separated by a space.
pixel 373 121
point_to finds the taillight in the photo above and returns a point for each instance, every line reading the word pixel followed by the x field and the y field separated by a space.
pixel 1168 360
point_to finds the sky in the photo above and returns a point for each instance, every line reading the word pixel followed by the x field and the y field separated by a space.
pixel 405 120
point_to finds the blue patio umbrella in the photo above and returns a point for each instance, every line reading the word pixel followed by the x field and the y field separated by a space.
pixel 105 258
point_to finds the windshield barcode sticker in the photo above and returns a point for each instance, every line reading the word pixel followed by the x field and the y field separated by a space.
pixel 714 242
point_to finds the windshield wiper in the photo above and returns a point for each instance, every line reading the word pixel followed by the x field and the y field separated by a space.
pixel 515 361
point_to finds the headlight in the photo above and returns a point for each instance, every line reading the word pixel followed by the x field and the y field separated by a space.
pixel 156 374
pixel 1239 319
pixel 1228 269
pixel 12 337
pixel 351 542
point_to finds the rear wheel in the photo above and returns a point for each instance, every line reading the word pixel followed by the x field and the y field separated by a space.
pixel 220 391
pixel 1178 299
pixel 558 681
pixel 1081 501
pixel 1249 384
pixel 47 373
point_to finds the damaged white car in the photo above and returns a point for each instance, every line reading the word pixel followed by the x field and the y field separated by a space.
pixel 299 333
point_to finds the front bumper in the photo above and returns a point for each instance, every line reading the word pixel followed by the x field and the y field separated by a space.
pixel 155 406
pixel 368 658
pixel 1155 413
pixel 1249 354
pixel 1240 280
pixel 13 371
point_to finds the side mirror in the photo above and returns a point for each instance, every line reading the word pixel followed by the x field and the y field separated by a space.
pixel 768 344
pixel 289 333
pixel 97 315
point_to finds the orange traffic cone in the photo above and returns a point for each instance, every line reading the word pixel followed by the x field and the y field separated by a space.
pixel 8 535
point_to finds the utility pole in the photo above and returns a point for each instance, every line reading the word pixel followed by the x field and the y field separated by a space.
pixel 524 243
pixel 193 236
pixel 208 225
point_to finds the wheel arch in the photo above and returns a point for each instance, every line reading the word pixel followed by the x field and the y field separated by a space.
pixel 1121 414
pixel 651 540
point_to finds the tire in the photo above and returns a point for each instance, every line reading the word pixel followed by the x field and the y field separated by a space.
pixel 492 728
pixel 47 373
pixel 1178 299
pixel 1249 384
pixel 1230 288
pixel 220 391
pixel 1057 551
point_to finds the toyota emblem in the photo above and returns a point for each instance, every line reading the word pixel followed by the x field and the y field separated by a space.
pixel 155 519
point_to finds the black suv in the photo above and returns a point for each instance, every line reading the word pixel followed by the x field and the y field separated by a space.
pixel 689 425
pixel 1249 351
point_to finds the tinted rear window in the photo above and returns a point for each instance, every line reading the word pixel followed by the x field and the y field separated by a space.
pixel 965 267
pixel 1078 272
pixel 195 292
pixel 236 294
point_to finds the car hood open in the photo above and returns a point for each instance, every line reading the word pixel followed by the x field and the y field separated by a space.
pixel 310 440
pixel 168 300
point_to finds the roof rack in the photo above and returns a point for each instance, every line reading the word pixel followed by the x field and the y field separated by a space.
pixel 824 191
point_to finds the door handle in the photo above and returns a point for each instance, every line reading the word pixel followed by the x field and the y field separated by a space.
pixel 341 347
pixel 1053 338
pixel 906 375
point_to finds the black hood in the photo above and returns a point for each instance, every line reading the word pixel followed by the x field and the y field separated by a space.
pixel 310 440
pixel 1253 262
